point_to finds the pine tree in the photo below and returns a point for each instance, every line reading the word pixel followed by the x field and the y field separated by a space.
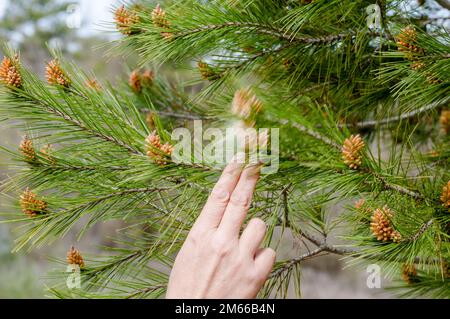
pixel 363 117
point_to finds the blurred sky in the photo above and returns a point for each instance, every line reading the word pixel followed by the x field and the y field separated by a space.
pixel 92 13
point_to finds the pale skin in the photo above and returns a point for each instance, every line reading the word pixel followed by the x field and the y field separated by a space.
pixel 216 261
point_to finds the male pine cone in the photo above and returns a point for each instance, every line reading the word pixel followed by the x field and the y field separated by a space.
pixel 351 151
pixel 409 273
pixel 125 20
pixel 444 120
pixel 246 105
pixel 55 75
pixel 30 205
pixel 207 72
pixel 9 72
pixel 74 257
pixel 381 225
pixel 93 84
pixel 159 17
pixel 160 21
pixel 135 81
pixel 406 42
pixel 27 149
pixel 445 196
pixel 156 150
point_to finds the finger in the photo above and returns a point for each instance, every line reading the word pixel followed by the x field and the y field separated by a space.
pixel 214 208
pixel 252 236
pixel 239 202
pixel 264 260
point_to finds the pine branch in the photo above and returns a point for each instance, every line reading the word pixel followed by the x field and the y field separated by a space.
pixel 57 166
pixel 390 120
pixel 132 191
pixel 321 243
pixel 322 246
pixel 293 262
pixel 77 123
pixel 263 29
pixel 178 115
pixel 421 230
pixel 143 291
pixel 310 132
pixel 398 188
pixel 330 142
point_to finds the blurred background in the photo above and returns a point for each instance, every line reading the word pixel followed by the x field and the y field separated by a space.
pixel 78 28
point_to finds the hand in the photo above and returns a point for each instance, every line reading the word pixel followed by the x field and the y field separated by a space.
pixel 214 262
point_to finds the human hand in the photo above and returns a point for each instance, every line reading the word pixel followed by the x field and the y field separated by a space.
pixel 213 261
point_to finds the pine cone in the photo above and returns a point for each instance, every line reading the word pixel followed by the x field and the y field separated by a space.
pixel 288 64
pixel 351 151
pixel 167 148
pixel 432 78
pixel 125 19
pixel 207 72
pixel 381 225
pixel 446 269
pixel 160 21
pixel 55 75
pixel 93 84
pixel 154 140
pixel 159 18
pixel 135 81
pixel 245 104
pixel 148 77
pixel 45 152
pixel 417 65
pixel 74 257
pixel 409 273
pixel 157 151
pixel 27 149
pixel 444 120
pixel 360 203
pixel 406 42
pixel 445 196
pixel 150 120
pixel 9 72
pixel 30 205
pixel 396 237
pixel 434 153
pixel 362 206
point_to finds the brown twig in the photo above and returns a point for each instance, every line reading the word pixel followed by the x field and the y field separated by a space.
pixel 146 290
pixel 310 132
pixel 421 230
pixel 290 263
pixel 393 119
pixel 184 116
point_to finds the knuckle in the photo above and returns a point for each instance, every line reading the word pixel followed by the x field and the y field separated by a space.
pixel 232 168
pixel 193 239
pixel 240 200
pixel 221 246
pixel 219 194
